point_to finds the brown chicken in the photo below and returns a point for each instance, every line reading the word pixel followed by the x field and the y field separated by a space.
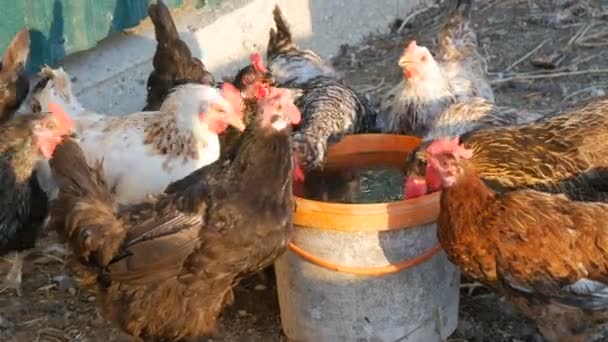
pixel 430 86
pixel 164 269
pixel 24 142
pixel 547 254
pixel 173 61
pixel 14 85
pixel 561 153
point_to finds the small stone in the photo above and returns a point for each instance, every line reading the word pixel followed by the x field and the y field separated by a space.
pixel 64 283
pixel 242 313
pixel 98 322
pixel 6 324
pixel 91 299
pixel 260 287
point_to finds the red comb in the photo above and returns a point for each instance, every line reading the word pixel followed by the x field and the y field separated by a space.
pixel 64 122
pixel 411 47
pixel 298 173
pixel 258 62
pixel 261 90
pixel 233 96
pixel 451 146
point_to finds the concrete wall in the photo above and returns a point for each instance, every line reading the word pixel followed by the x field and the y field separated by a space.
pixel 111 78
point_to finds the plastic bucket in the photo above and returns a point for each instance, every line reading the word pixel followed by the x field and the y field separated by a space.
pixel 367 272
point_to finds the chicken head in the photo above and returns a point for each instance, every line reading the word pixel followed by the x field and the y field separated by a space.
pixel 418 64
pixel 440 162
pixel 224 110
pixel 255 80
pixel 50 130
pixel 444 161
pixel 278 109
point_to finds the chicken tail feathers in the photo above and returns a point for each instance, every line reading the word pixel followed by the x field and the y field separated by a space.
pixel 164 27
pixel 83 212
pixel 17 51
pixel 280 39
pixel 457 38
pixel 464 7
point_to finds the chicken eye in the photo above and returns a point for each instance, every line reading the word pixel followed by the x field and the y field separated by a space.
pixel 248 79
pixel 50 124
pixel 423 58
pixel 36 108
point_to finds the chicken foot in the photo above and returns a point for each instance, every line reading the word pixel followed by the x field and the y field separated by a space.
pixel 471 287
pixel 13 278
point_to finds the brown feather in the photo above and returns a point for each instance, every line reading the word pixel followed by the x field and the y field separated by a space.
pixel 530 246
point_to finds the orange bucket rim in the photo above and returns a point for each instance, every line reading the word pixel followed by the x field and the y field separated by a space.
pixel 358 217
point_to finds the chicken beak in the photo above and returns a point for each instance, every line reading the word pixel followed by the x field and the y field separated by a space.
pixel 404 63
pixel 235 121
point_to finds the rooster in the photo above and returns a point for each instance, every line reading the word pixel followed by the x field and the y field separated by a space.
pixel 330 109
pixel 164 269
pixel 548 254
pixel 14 85
pixel 430 86
pixel 143 152
pixel 173 61
pixel 560 153
pixel 24 142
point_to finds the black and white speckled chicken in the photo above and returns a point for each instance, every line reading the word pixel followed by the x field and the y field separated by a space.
pixel 173 61
pixel 431 85
pixel 330 109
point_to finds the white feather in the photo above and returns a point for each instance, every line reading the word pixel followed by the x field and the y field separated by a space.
pixel 133 168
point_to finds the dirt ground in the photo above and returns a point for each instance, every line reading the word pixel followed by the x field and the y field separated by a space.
pixel 539 56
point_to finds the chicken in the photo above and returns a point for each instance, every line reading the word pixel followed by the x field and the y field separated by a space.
pixel 14 85
pixel 290 65
pixel 546 253
pixel 330 109
pixel 164 269
pixel 143 152
pixel 560 153
pixel 24 141
pixel 254 83
pixel 429 85
pixel 476 113
pixel 173 61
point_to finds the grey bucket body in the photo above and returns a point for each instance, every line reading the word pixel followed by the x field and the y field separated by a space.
pixel 417 304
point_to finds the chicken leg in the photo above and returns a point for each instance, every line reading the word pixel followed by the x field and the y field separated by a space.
pixel 13 278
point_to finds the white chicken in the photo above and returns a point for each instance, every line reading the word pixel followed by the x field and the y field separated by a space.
pixel 143 152
pixel 432 85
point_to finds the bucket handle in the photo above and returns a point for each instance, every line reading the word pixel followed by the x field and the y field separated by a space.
pixel 366 271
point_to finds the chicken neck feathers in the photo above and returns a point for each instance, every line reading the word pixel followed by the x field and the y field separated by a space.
pixel 563 153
